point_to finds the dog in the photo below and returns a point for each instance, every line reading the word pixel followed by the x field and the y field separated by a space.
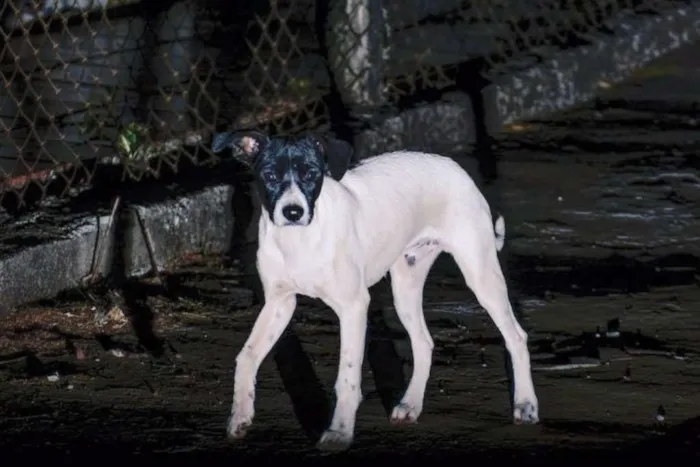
pixel 330 233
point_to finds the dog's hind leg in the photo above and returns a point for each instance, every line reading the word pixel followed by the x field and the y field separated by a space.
pixel 269 326
pixel 407 281
pixel 478 262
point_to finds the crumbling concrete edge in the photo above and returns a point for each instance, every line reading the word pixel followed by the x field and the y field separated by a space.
pixel 200 222
pixel 572 77
pixel 445 125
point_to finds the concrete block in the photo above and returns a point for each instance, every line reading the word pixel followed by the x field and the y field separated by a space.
pixel 573 76
pixel 196 222
pixel 44 270
pixel 200 222
pixel 447 125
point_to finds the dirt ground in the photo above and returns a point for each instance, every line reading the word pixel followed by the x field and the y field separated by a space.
pixel 73 387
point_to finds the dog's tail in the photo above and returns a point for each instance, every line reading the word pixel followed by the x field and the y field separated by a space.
pixel 499 228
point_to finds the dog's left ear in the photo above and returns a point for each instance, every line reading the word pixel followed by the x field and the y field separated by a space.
pixel 337 155
pixel 246 145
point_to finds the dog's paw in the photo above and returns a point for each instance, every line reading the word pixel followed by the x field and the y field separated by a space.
pixel 334 441
pixel 238 427
pixel 404 413
pixel 525 413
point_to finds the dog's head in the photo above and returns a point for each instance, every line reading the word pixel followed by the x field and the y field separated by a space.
pixel 289 172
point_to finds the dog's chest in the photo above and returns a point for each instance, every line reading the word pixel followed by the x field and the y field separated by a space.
pixel 306 271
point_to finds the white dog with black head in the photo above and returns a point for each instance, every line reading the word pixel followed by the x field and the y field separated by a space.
pixel 331 235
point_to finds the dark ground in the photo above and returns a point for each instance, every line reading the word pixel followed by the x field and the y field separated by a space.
pixel 113 399
pixel 601 213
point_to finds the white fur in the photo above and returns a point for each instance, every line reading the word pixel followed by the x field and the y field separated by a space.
pixel 392 207
pixel 500 230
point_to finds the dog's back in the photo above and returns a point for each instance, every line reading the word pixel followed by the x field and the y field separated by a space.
pixel 409 173
pixel 399 197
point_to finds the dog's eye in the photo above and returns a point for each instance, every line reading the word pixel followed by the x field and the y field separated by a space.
pixel 309 174
pixel 269 177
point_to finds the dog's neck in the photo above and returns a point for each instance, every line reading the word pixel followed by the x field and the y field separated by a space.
pixel 291 236
pixel 322 233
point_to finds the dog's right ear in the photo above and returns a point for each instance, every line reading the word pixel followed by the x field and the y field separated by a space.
pixel 338 155
pixel 246 145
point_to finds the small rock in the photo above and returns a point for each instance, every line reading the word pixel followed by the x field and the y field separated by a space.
pixel 660 414
pixel 628 374
pixel 482 358
pixel 613 328
pixel 116 315
pixel 119 353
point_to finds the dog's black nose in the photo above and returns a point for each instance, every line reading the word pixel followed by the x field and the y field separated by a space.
pixel 293 212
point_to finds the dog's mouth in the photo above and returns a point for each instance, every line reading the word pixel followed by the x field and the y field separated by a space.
pixel 295 223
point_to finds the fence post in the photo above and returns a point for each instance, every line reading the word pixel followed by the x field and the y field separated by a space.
pixel 356 41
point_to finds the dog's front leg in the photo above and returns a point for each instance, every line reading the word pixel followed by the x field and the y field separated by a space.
pixel 352 315
pixel 269 326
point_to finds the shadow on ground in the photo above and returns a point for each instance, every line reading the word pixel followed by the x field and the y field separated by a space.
pixel 144 440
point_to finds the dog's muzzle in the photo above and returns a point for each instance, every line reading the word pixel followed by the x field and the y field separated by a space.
pixel 292 208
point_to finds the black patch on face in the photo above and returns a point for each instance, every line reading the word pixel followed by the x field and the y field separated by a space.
pixel 287 161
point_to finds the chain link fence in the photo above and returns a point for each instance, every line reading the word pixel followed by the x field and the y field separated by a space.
pixel 143 84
